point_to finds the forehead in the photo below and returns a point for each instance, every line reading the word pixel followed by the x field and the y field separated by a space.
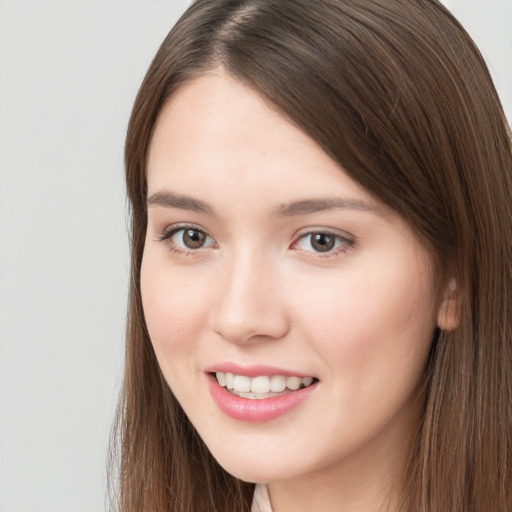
pixel 217 136
pixel 217 116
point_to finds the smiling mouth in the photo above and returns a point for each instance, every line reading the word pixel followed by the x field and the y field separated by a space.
pixel 263 386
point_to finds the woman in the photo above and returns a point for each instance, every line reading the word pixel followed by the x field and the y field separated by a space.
pixel 321 265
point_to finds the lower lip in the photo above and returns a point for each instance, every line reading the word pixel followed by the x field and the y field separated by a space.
pixel 256 410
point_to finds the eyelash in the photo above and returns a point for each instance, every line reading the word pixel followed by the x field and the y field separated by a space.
pixel 341 244
pixel 167 235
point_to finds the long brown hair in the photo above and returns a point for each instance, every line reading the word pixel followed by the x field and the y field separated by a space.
pixel 396 92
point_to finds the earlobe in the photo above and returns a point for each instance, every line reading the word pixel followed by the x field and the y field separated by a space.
pixel 448 315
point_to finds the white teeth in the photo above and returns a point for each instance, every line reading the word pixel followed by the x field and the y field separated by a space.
pixel 293 383
pixel 221 378
pixel 277 383
pixel 242 384
pixel 262 385
pixel 306 381
pixel 229 380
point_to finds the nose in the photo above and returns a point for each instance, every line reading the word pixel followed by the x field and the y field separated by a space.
pixel 249 303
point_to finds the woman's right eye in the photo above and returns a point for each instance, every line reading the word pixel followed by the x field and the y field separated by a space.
pixel 187 239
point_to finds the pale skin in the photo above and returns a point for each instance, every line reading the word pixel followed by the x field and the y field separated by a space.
pixel 248 285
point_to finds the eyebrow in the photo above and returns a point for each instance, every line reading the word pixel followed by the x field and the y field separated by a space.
pixel 170 200
pixel 302 207
pixel 323 204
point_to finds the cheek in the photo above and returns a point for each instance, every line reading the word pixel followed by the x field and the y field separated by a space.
pixel 369 324
pixel 174 309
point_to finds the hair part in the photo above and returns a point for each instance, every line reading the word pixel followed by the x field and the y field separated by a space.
pixel 396 92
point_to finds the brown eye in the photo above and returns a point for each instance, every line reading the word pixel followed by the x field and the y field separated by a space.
pixel 322 242
pixel 193 238
pixel 188 238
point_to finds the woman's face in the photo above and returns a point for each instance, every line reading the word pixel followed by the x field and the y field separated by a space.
pixel 265 260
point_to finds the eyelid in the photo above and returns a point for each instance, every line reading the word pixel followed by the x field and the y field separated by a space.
pixel 174 228
pixel 170 231
pixel 347 241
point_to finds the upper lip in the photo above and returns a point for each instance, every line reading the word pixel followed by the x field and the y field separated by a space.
pixel 254 370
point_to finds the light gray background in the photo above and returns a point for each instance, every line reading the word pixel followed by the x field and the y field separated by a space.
pixel 69 71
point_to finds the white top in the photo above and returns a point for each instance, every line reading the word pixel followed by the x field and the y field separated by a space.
pixel 261 500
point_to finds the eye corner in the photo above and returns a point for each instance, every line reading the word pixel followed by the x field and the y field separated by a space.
pixel 186 239
pixel 322 243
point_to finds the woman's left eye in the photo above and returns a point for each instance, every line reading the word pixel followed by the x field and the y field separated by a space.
pixel 321 242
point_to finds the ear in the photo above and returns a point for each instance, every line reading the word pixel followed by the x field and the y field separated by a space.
pixel 448 314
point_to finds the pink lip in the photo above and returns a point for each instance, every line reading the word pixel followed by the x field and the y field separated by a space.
pixel 253 370
pixel 246 409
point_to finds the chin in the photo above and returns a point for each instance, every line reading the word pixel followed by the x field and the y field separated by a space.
pixel 257 466
pixel 255 473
